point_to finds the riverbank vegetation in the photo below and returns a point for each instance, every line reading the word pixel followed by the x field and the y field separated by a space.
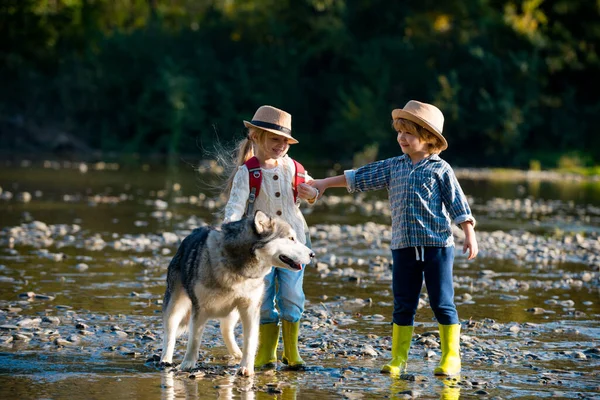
pixel 169 77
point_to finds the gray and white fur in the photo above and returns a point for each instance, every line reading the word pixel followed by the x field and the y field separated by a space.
pixel 219 273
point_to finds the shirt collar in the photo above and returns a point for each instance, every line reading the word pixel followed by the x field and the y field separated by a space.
pixel 433 157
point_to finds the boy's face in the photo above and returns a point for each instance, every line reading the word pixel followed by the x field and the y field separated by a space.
pixel 412 144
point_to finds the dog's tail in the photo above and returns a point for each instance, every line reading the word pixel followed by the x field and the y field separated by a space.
pixel 176 293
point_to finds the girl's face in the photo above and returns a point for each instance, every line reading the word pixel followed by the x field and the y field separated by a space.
pixel 272 146
pixel 412 145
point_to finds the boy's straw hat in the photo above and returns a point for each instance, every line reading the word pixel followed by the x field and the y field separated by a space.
pixel 426 115
pixel 273 120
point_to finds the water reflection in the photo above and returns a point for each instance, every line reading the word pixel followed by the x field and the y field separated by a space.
pixel 174 388
pixel 180 386
pixel 399 388
pixel 451 389
pixel 408 386
pixel 235 388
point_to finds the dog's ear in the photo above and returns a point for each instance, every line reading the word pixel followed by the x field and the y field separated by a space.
pixel 262 222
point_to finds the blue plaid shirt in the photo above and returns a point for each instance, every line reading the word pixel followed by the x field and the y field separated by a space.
pixel 425 198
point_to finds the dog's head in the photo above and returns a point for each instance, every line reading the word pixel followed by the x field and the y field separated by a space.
pixel 278 243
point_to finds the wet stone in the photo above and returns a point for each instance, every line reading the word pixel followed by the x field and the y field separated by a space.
pixel 62 342
pixel 5 339
pixel 408 394
pixel 429 354
pixel 28 322
pixel 413 378
pixel 21 337
pixel 536 310
pixel 82 267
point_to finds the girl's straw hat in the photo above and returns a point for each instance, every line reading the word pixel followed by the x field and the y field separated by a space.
pixel 426 115
pixel 273 120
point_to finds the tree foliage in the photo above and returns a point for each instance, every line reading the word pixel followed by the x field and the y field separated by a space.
pixel 162 76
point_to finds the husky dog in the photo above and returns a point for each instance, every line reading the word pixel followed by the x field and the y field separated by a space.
pixel 220 274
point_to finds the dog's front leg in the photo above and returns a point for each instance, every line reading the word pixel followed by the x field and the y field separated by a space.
pixel 197 322
pixel 250 321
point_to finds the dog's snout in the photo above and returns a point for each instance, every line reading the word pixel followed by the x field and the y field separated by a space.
pixel 311 255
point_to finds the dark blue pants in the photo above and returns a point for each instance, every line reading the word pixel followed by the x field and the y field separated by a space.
pixel 408 273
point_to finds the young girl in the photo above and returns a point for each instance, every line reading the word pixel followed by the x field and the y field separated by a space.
pixel 269 138
pixel 425 199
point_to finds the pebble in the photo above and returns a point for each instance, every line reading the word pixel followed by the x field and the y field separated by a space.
pixel 81 267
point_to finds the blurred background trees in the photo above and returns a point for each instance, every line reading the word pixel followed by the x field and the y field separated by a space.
pixel 513 78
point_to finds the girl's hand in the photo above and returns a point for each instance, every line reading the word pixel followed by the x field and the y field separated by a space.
pixel 320 185
pixel 470 240
pixel 307 192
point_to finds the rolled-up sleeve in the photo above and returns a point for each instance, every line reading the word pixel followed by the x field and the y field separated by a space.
pixel 372 176
pixel 455 200
pixel 238 198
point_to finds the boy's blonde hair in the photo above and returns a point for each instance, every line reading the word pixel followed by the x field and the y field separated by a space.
pixel 434 143
pixel 245 151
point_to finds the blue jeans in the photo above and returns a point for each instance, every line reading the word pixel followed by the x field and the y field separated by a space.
pixel 409 268
pixel 289 296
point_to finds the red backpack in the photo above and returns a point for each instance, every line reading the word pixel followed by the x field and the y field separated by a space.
pixel 255 174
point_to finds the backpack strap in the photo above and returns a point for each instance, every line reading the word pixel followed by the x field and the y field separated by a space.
pixel 299 177
pixel 255 175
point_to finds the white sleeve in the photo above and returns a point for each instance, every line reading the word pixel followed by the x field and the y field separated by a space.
pixel 238 198
pixel 307 178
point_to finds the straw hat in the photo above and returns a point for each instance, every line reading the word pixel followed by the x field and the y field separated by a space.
pixel 273 120
pixel 426 115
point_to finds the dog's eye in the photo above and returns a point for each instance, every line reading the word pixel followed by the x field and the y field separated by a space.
pixel 292 239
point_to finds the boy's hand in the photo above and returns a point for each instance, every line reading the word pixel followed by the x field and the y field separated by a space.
pixel 320 185
pixel 307 192
pixel 470 240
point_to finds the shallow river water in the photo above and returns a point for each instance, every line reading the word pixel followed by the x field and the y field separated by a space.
pixel 84 250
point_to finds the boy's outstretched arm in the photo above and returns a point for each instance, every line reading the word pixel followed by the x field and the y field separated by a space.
pixel 470 240
pixel 323 184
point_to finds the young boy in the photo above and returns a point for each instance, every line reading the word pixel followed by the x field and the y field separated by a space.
pixel 425 199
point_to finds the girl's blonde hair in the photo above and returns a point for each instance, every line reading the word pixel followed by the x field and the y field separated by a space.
pixel 434 143
pixel 244 151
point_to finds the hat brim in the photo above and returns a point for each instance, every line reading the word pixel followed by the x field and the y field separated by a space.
pixel 400 113
pixel 291 140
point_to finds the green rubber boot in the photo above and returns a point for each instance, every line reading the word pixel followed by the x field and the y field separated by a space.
pixel 450 343
pixel 291 357
pixel 268 338
pixel 401 338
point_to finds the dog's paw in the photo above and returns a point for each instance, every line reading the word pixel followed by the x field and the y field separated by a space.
pixel 187 365
pixel 237 355
pixel 245 371
pixel 165 364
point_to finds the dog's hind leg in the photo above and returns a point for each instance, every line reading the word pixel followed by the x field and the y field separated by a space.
pixel 250 321
pixel 175 314
pixel 227 326
pixel 197 322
